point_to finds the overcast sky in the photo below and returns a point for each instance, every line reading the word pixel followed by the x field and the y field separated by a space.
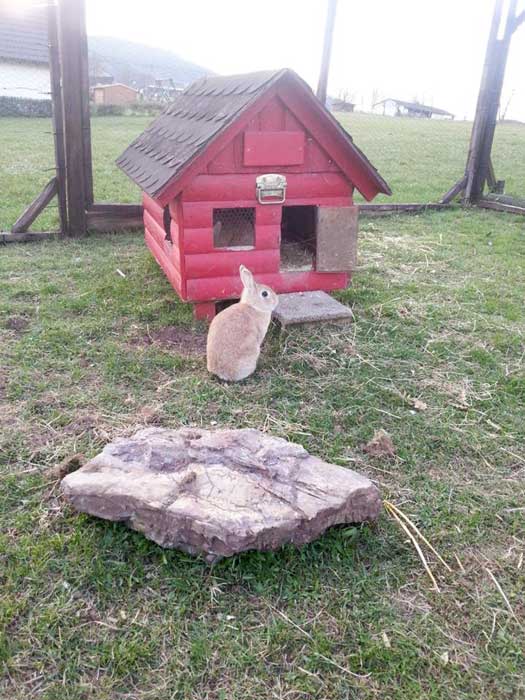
pixel 431 50
pixel 426 50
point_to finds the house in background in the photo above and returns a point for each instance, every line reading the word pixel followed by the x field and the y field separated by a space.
pixel 24 59
pixel 163 90
pixel 114 94
pixel 399 108
pixel 336 104
pixel 100 78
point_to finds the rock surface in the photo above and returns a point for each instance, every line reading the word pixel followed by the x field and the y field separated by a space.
pixel 219 492
pixel 310 307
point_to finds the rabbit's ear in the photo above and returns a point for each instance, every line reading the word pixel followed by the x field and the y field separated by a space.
pixel 246 277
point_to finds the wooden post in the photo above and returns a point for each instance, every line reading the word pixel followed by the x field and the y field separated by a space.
pixel 478 161
pixel 73 63
pixel 327 51
pixel 58 115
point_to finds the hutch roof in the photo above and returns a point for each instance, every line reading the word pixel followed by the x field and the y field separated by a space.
pixel 179 139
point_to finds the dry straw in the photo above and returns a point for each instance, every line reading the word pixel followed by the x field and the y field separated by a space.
pixel 413 532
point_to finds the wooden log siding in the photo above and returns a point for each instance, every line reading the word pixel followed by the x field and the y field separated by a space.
pixel 237 188
pixel 164 261
pixel 231 287
pixel 226 263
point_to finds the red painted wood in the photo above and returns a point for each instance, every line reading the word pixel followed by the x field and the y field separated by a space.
pixel 177 214
pixel 154 208
pixel 273 148
pixel 175 233
pixel 205 311
pixel 320 201
pixel 226 263
pixel 224 162
pixel 170 250
pixel 271 117
pixel 232 188
pixel 267 214
pixel 180 183
pixel 231 287
pixel 327 131
pixel 197 214
pixel 291 123
pixel 198 240
pixel 165 263
pixel 267 236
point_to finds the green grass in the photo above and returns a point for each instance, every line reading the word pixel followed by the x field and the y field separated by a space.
pixel 420 159
pixel 89 609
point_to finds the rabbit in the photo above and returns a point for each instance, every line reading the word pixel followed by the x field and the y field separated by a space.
pixel 236 334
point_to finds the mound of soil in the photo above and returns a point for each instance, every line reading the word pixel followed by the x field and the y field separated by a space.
pixel 184 341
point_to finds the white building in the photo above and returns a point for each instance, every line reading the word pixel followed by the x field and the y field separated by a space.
pixel 399 108
pixel 24 61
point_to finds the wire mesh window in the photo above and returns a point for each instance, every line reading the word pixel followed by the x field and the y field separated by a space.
pixel 234 228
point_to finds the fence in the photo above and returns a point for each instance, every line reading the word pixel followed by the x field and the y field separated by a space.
pixel 432 148
pixel 27 158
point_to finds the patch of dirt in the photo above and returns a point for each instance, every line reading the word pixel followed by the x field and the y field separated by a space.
pixel 66 466
pixel 184 341
pixel 380 445
pixel 17 323
pixel 150 415
pixel 80 425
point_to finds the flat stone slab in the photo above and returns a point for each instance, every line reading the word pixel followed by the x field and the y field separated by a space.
pixel 219 492
pixel 309 307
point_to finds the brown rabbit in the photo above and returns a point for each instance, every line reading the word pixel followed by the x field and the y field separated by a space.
pixel 236 334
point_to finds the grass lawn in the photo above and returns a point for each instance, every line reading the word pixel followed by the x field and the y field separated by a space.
pixel 420 159
pixel 89 609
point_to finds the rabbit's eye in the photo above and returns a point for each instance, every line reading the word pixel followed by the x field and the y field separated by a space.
pixel 264 293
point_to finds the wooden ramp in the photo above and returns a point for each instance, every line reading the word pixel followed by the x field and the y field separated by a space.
pixel 310 307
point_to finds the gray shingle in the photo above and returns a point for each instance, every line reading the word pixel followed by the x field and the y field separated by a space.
pixel 23 36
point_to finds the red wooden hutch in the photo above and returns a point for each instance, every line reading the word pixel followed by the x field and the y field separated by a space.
pixel 250 169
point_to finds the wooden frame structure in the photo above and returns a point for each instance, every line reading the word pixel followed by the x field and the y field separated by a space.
pixel 479 171
pixel 73 181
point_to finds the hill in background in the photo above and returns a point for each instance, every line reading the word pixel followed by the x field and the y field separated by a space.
pixel 138 65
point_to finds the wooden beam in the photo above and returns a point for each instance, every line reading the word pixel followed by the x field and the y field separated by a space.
pixel 25 236
pixel 500 206
pixel 385 209
pixel 327 50
pixel 505 199
pixel 478 127
pixel 58 114
pixel 454 191
pixel 86 115
pixel 70 33
pixel 36 207
pixel 488 102
pixel 108 217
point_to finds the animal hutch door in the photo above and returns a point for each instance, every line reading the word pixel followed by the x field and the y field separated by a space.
pixel 336 239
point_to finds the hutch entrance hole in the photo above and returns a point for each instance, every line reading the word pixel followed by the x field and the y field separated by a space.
pixel 298 237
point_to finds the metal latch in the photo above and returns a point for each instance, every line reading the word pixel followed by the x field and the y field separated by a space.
pixel 271 188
